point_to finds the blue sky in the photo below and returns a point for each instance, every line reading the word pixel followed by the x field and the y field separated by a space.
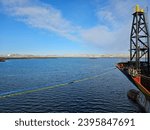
pixel 66 26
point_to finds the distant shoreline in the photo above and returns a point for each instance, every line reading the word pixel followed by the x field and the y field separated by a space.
pixel 3 58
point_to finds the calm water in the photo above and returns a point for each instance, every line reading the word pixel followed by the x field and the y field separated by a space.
pixel 105 93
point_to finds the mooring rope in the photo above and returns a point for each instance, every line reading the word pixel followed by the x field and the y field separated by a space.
pixel 16 93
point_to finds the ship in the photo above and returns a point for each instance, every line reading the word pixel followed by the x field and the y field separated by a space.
pixel 137 69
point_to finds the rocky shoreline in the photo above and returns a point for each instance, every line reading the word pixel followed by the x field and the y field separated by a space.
pixel 2 59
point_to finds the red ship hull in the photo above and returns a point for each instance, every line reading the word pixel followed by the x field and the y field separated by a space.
pixel 140 81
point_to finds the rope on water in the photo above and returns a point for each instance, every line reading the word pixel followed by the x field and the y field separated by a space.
pixel 6 95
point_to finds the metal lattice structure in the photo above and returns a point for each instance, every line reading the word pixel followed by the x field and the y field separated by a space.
pixel 139 39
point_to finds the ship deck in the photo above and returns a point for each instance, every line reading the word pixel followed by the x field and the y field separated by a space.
pixel 141 80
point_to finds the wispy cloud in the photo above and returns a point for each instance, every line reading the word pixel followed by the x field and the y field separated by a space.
pixel 40 15
pixel 105 15
pixel 106 39
pixel 97 35
pixel 110 33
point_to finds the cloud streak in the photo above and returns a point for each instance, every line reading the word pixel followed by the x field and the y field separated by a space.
pixel 111 32
pixel 40 15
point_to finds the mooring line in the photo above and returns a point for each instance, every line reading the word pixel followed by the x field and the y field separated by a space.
pixel 53 86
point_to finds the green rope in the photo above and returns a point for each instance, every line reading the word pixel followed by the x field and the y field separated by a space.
pixel 50 87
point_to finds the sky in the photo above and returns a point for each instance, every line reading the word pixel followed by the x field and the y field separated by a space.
pixel 57 27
